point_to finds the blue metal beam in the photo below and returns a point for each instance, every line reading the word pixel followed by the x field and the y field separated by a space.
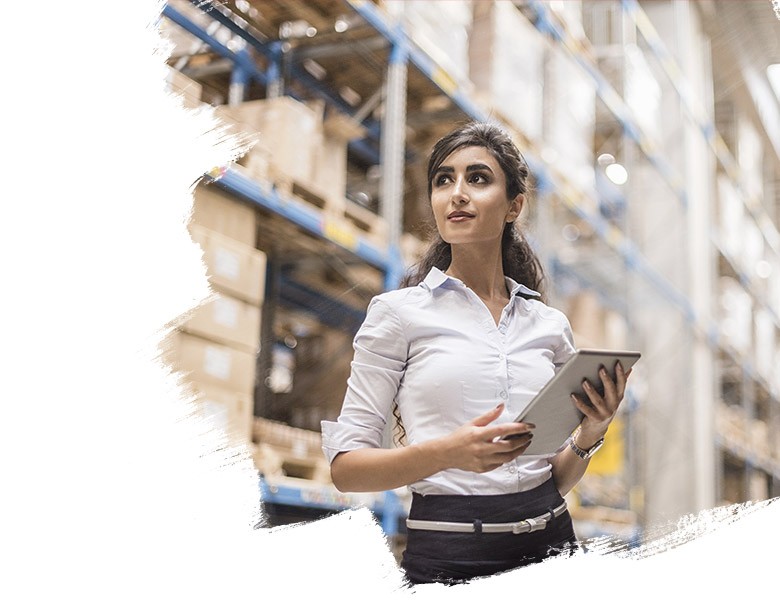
pixel 309 219
pixel 243 61
pixel 329 311
pixel 268 50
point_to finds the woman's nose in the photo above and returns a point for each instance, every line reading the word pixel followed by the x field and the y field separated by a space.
pixel 458 192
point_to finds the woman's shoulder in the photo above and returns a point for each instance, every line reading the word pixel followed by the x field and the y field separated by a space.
pixel 546 311
pixel 401 297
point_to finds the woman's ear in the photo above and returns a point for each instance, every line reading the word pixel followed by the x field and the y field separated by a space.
pixel 515 208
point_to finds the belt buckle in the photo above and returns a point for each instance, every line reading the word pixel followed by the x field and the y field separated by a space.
pixel 529 525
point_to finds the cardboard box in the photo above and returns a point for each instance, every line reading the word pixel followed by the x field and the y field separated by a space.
pixel 219 211
pixel 226 410
pixel 506 56
pixel 203 362
pixel 288 127
pixel 181 85
pixel 227 320
pixel 232 267
pixel 329 172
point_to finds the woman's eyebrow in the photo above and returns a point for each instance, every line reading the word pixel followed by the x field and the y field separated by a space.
pixel 469 169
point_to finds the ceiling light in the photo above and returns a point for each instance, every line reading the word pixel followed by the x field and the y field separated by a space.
pixel 243 5
pixel 617 173
pixel 311 32
pixel 341 25
pixel 605 159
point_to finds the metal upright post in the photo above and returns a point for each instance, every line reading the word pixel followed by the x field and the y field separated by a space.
pixel 392 152
pixel 275 87
pixel 239 79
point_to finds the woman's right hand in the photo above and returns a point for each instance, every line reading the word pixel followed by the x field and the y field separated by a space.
pixel 476 446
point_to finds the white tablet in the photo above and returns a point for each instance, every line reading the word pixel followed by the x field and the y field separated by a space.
pixel 553 411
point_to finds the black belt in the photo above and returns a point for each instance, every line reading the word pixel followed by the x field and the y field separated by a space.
pixel 477 526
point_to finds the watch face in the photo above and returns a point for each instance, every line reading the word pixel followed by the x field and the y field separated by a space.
pixel 596 446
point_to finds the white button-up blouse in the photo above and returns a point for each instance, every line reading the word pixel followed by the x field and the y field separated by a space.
pixel 436 350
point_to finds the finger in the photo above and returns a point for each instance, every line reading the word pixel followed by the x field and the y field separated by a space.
pixel 595 398
pixel 515 452
pixel 488 417
pixel 510 445
pixel 611 398
pixel 507 429
pixel 585 408
pixel 621 379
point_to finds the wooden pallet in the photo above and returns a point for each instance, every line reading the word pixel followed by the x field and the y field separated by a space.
pixel 367 223
pixel 276 461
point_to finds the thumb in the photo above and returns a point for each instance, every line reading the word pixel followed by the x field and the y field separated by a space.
pixel 489 416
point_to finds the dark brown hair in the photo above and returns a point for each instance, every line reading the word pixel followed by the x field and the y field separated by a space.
pixel 518 259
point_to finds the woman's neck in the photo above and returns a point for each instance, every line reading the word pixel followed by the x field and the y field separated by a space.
pixel 480 270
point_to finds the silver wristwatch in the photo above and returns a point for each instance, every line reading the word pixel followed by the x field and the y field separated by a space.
pixel 585 454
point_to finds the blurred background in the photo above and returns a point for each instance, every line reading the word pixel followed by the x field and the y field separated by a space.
pixel 653 134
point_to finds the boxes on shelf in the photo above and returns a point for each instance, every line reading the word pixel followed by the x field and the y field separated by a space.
pixel 765 344
pixel 207 363
pixel 225 410
pixel 570 111
pixel 506 56
pixel 442 34
pixel 181 85
pixel 282 450
pixel 232 267
pixel 329 173
pixel 289 127
pixel 595 325
pixel 219 211
pixel 759 438
pixel 228 321
pixel 731 216
pixel 735 314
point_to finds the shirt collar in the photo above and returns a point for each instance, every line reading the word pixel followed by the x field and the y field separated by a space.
pixel 436 278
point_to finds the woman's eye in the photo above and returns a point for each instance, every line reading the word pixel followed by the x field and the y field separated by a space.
pixel 442 179
pixel 478 178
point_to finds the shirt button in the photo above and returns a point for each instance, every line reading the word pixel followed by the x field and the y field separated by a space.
pixel 503 394
pixel 501 357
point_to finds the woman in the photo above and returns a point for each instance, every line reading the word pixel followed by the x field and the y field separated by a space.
pixel 459 350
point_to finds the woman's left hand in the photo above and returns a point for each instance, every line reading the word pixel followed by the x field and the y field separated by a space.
pixel 599 410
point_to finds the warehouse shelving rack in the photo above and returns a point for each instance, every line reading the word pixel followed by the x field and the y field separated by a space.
pixel 584 206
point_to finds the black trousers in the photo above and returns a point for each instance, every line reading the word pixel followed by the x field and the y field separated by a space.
pixel 449 557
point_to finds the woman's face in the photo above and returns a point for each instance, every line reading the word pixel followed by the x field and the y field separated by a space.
pixel 468 197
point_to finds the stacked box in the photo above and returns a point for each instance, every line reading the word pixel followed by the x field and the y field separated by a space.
pixel 329 172
pixel 442 33
pixel 765 357
pixel 233 268
pixel 731 215
pixel 184 87
pixel 570 112
pixel 227 320
pixel 736 314
pixel 506 58
pixel 290 128
pixel 587 318
pixel 215 348
pixel 218 211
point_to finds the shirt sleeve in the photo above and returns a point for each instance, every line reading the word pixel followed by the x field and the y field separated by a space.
pixel 565 348
pixel 378 365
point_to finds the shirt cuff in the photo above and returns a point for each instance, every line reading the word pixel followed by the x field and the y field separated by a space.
pixel 342 437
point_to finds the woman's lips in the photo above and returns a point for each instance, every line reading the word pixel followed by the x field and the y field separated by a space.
pixel 461 217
